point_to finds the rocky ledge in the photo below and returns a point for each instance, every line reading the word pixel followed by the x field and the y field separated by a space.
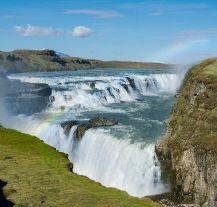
pixel 188 153
pixel 82 127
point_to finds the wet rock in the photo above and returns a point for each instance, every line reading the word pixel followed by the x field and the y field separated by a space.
pixel 45 91
pixel 125 87
pixel 92 85
pixel 94 123
pixel 82 129
pixel 83 126
pixel 131 82
pixel 68 125
pixel 110 92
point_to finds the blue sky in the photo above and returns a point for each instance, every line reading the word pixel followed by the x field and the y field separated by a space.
pixel 137 30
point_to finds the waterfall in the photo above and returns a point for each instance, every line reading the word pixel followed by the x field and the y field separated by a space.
pixel 97 92
pixel 113 159
pixel 132 167
pixel 118 163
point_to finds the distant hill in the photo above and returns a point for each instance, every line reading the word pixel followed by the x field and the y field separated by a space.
pixel 50 60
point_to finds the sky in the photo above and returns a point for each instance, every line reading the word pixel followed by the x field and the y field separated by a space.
pixel 161 31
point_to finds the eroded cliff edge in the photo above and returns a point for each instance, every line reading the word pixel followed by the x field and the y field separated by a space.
pixel 188 153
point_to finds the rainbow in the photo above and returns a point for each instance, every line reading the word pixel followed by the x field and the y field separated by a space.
pixel 46 120
pixel 176 49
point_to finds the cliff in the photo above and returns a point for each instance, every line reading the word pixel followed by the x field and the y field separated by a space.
pixel 49 60
pixel 188 153
pixel 35 174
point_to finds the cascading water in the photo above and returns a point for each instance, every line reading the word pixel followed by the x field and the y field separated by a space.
pixel 121 156
pixel 118 163
pixel 114 162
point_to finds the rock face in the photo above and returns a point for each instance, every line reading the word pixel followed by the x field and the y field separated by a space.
pixel 188 154
pixel 19 95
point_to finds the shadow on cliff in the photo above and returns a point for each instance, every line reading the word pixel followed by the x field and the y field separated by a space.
pixel 3 201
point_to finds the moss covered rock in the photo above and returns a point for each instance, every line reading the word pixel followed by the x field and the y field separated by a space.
pixel 189 150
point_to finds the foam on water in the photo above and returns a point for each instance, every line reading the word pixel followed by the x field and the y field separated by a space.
pixel 94 93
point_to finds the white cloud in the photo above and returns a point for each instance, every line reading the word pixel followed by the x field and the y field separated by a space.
pixel 81 31
pixel 97 13
pixel 155 14
pixel 30 30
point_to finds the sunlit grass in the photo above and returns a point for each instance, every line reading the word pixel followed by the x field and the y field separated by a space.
pixel 37 175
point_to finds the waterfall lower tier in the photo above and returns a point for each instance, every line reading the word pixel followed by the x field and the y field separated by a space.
pixel 113 162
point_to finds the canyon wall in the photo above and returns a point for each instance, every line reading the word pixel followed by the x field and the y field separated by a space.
pixel 188 153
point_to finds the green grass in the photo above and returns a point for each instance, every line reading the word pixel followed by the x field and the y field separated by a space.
pixel 194 117
pixel 38 175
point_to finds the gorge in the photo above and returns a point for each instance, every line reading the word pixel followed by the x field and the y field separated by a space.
pixel 140 100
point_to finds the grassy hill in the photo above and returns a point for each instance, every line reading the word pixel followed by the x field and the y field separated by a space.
pixel 37 175
pixel 49 60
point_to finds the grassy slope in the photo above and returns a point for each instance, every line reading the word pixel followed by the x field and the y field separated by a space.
pixel 195 113
pixel 37 175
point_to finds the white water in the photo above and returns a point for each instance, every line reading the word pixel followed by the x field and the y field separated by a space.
pixel 118 163
pixel 100 155
pixel 112 162
pixel 76 92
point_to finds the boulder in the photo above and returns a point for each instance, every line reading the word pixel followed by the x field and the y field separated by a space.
pixel 84 126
